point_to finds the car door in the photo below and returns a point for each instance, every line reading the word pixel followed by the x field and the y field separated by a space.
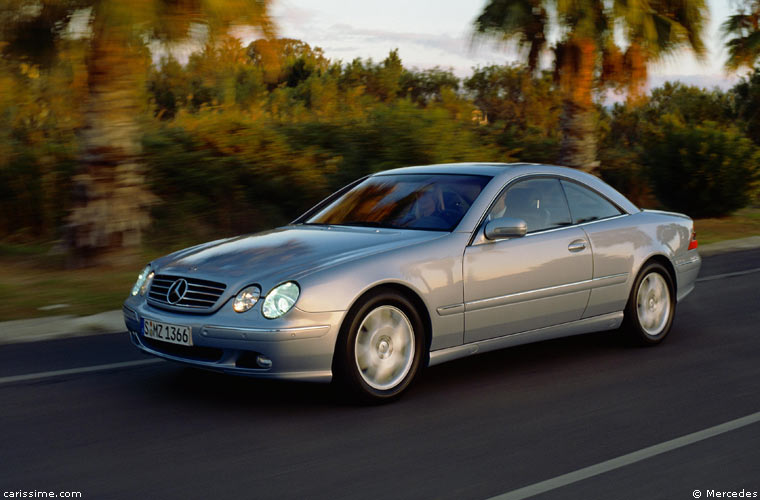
pixel 613 244
pixel 538 280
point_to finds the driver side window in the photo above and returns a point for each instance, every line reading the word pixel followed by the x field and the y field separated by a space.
pixel 539 202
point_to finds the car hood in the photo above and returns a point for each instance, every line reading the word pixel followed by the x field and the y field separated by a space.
pixel 285 253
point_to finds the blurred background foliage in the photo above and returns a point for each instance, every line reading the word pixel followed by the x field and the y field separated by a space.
pixel 243 138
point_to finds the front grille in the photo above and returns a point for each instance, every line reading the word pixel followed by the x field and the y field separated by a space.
pixel 200 294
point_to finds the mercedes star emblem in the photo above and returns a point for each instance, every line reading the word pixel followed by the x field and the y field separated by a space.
pixel 177 291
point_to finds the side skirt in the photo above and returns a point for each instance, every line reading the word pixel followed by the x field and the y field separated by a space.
pixel 609 321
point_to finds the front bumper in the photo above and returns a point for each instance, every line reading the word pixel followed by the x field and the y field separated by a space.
pixel 299 346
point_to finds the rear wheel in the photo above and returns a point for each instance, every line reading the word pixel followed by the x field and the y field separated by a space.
pixel 651 306
pixel 380 347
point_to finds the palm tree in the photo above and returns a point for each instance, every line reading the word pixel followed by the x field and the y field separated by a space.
pixel 587 55
pixel 743 31
pixel 111 199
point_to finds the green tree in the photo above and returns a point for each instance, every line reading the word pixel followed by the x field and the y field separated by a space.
pixel 586 54
pixel 522 110
pixel 692 105
pixel 426 86
pixel 746 96
pixel 286 60
pixel 168 88
pixel 111 201
pixel 628 132
pixel 38 141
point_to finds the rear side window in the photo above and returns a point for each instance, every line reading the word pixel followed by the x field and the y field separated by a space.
pixel 586 205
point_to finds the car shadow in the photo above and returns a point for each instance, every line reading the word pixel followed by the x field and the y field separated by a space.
pixel 594 351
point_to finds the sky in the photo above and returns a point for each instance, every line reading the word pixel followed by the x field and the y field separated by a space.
pixel 429 33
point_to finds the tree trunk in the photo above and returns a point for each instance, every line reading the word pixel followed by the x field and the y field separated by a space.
pixel 576 63
pixel 635 65
pixel 111 200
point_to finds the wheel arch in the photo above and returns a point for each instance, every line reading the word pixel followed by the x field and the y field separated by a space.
pixel 632 326
pixel 409 294
pixel 665 262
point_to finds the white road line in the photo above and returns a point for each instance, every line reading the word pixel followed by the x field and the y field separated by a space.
pixel 73 371
pixel 630 458
pixel 728 275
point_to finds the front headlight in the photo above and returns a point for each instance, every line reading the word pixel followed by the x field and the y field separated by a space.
pixel 280 300
pixel 143 281
pixel 246 299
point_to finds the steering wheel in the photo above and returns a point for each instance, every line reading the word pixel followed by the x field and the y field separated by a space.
pixel 455 207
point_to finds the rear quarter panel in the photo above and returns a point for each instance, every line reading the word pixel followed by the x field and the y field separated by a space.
pixel 624 244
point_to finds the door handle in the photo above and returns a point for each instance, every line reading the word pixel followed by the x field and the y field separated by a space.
pixel 577 246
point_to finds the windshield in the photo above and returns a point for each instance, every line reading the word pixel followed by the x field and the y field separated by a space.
pixel 411 201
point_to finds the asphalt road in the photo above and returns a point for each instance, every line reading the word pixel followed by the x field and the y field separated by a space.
pixel 474 428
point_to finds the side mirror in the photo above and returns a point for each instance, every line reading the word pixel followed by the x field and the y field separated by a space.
pixel 506 227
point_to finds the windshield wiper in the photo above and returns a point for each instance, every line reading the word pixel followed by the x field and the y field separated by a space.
pixel 588 219
pixel 361 223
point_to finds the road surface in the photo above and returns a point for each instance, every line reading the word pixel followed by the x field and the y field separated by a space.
pixel 513 423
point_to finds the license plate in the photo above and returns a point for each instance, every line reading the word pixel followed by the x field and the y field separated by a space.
pixel 175 334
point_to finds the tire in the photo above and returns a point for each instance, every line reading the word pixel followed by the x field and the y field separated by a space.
pixel 379 349
pixel 651 306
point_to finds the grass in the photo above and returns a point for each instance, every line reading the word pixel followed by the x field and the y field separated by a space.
pixel 30 277
pixel 744 223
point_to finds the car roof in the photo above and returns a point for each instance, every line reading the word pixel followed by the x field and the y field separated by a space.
pixel 490 169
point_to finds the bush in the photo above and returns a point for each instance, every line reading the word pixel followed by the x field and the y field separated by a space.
pixel 621 169
pixel 225 174
pixel 220 174
pixel 703 171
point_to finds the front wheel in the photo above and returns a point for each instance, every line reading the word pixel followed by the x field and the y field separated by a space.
pixel 651 305
pixel 380 347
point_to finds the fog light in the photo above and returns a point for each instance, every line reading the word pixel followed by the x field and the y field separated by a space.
pixel 129 313
pixel 263 361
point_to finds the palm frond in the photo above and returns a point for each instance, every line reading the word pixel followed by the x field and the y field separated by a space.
pixel 664 26
pixel 735 25
pixel 523 21
pixel 742 32
pixel 743 51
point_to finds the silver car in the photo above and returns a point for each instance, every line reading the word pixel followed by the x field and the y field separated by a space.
pixel 414 267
